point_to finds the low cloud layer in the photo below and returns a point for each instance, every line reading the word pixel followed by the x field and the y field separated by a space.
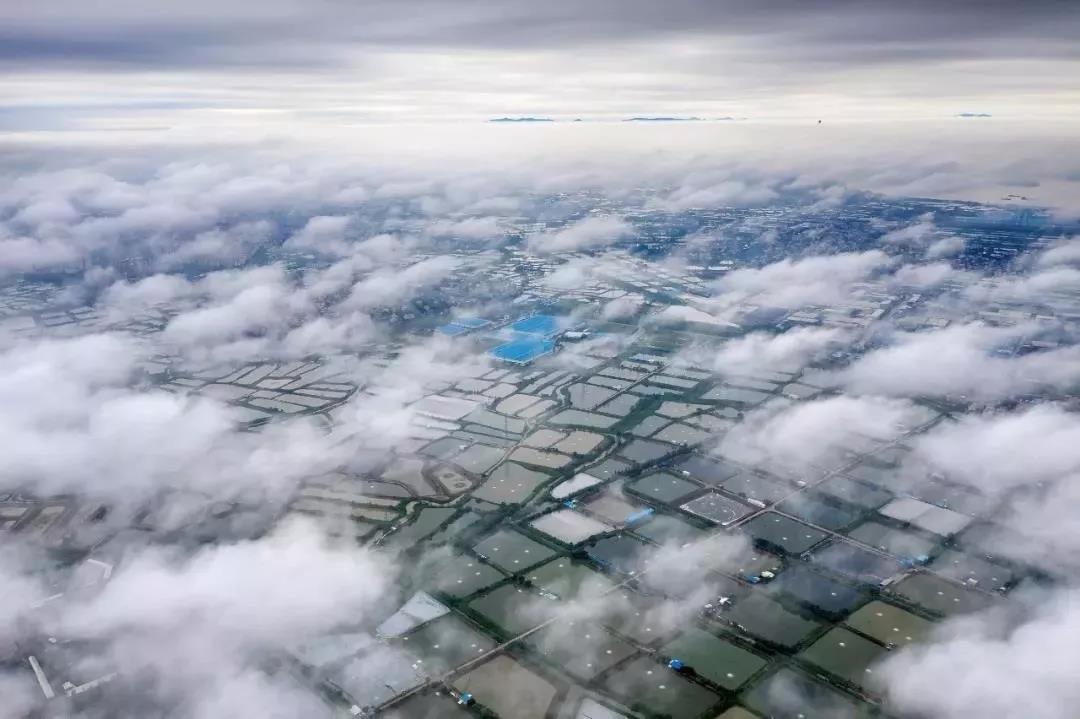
pixel 964 361
pixel 201 643
pixel 586 234
pixel 792 283
pixel 184 267
pixel 993 666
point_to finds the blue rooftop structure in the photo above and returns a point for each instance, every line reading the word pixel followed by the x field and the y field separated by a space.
pixel 543 325
pixel 523 351
pixel 528 338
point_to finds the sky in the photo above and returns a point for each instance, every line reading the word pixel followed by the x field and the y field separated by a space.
pixel 124 64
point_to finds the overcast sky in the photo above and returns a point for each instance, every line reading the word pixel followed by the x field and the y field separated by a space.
pixel 123 63
pixel 145 141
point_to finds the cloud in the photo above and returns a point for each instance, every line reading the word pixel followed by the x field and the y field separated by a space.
pixel 192 631
pixel 728 193
pixel 279 589
pixel 77 423
pixel 995 453
pixel 925 237
pixel 20 695
pixel 573 275
pixel 218 247
pixel 945 247
pixel 993 666
pixel 1012 656
pixel 1035 287
pixel 765 352
pixel 586 234
pixel 582 271
pixel 324 234
pixel 1062 252
pixel 793 62
pixel 21 591
pixel 814 436
pixel 819 280
pixel 687 313
pixel 329 336
pixel 26 254
pixel 391 287
pixel 470 228
pixel 260 312
pixel 1026 462
pixel 249 311
pixel 79 416
pixel 623 308
pixel 926 276
pixel 962 361
pixel 46 36
pixel 920 234
pixel 130 298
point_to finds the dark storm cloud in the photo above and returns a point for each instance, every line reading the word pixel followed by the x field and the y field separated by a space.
pixel 291 33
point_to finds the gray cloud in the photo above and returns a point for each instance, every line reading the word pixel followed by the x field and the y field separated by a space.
pixel 370 60
pixel 123 32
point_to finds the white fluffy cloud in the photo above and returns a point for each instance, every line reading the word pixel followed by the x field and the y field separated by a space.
pixel 192 631
pixel 1036 287
pixel 280 589
pixel 919 234
pixel 391 286
pixel 808 435
pixel 990 666
pixel 724 193
pixel 1009 662
pixel 995 452
pixel 961 361
pixel 761 351
pixel 925 276
pixel 945 247
pixel 819 280
pixel 73 422
pixel 324 234
pixel 469 228
pixel 587 234
pixel 1062 252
